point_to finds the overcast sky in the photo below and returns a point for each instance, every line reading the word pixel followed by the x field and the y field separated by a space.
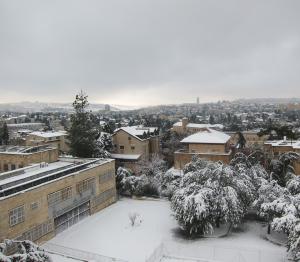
pixel 143 52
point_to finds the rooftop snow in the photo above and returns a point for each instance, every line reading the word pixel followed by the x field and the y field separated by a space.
pixel 49 134
pixel 125 156
pixel 137 131
pixel 194 125
pixel 209 136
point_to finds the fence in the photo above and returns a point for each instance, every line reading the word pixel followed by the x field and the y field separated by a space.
pixel 78 254
pixel 169 251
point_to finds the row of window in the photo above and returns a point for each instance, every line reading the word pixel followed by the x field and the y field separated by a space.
pixel 17 215
pixel 122 147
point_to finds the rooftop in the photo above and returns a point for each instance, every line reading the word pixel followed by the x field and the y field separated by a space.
pixel 20 180
pixel 23 149
pixel 208 136
pixel 137 131
pixel 292 143
pixel 194 125
pixel 49 133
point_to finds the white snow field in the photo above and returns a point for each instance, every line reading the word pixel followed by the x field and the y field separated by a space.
pixel 155 238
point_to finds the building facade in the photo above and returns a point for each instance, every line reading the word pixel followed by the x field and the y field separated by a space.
pixel 134 143
pixel 208 144
pixel 278 147
pixel 57 139
pixel 184 127
pixel 38 202
pixel 14 157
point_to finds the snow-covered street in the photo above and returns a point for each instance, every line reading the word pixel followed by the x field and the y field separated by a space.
pixel 110 233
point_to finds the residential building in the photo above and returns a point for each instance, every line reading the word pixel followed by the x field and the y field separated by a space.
pixel 134 143
pixel 278 147
pixel 208 144
pixel 54 138
pixel 14 128
pixel 39 201
pixel 184 127
pixel 14 157
pixel 252 138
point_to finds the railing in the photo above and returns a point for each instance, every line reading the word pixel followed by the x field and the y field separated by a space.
pixel 204 253
pixel 77 253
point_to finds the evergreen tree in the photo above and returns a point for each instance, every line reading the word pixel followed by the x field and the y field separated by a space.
pixel 82 133
pixel 4 135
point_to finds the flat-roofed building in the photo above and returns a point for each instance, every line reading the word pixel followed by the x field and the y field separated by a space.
pixel 184 127
pixel 252 138
pixel 55 138
pixel 277 147
pixel 39 201
pixel 13 157
pixel 134 143
pixel 14 128
pixel 208 144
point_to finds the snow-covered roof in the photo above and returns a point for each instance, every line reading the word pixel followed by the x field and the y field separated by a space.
pixel 125 156
pixel 295 144
pixel 208 136
pixel 137 131
pixel 49 134
pixel 194 125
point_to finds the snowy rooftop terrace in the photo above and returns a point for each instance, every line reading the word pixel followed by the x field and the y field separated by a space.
pixel 24 149
pixel 49 134
pixel 293 143
pixel 19 180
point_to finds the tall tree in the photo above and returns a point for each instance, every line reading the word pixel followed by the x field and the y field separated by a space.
pixel 83 134
pixel 4 134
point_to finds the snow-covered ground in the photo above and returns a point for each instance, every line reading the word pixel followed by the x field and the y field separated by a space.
pixel 109 233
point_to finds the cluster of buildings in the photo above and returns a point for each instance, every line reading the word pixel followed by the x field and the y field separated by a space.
pixel 42 193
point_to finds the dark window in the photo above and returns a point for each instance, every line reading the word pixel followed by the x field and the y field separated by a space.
pixel 121 147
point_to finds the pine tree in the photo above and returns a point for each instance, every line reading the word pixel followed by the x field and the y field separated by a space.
pixel 4 134
pixel 82 133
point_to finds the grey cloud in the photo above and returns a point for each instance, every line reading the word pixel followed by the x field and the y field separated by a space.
pixel 162 51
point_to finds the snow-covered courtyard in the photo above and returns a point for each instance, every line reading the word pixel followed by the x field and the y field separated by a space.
pixel 110 233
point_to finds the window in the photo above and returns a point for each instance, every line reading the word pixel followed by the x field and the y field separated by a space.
pixel 132 147
pixel 85 185
pixel 129 138
pixel 59 196
pixel 66 193
pixel 121 147
pixel 5 167
pixel 13 166
pixel 34 205
pixel 16 216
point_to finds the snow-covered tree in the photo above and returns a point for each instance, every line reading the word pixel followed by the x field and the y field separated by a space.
pixel 27 251
pixel 282 170
pixel 152 167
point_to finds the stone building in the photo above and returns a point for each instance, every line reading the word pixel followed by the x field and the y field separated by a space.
pixel 184 127
pixel 57 139
pixel 13 157
pixel 39 201
pixel 252 138
pixel 208 144
pixel 277 147
pixel 134 143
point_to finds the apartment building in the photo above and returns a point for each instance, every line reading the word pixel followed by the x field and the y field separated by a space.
pixel 134 143
pixel 252 138
pixel 184 127
pixel 208 144
pixel 14 157
pixel 57 139
pixel 277 147
pixel 39 201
